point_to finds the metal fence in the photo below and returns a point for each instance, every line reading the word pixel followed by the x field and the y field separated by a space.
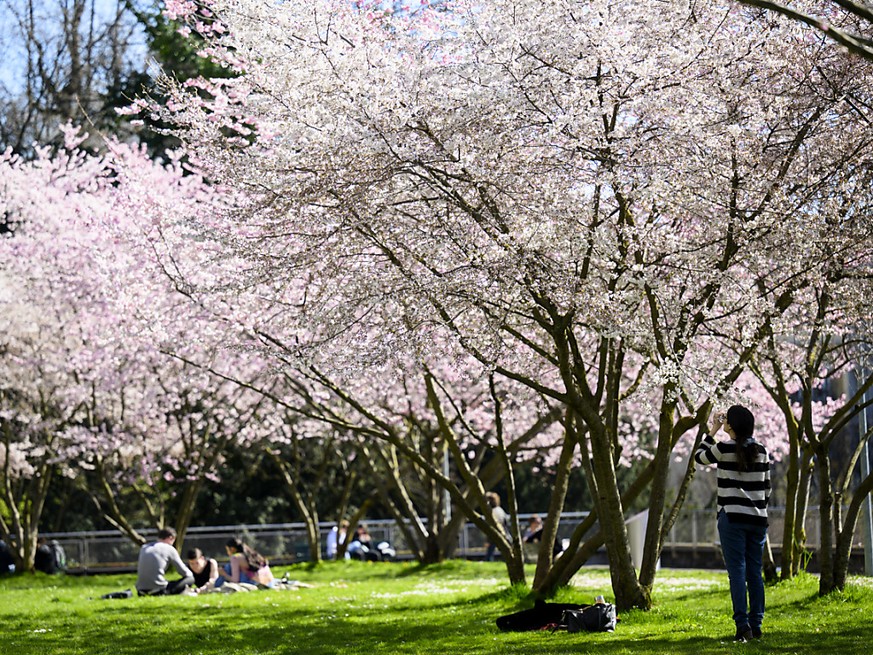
pixel 108 550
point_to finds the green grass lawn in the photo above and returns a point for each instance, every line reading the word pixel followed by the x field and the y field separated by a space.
pixel 402 608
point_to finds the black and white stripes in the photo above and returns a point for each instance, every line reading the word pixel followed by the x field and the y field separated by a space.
pixel 743 495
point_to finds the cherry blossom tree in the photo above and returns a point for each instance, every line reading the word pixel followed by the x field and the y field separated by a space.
pixel 93 318
pixel 570 194
pixel 847 22
pixel 161 478
pixel 32 426
pixel 821 351
pixel 153 428
pixel 53 355
pixel 404 424
pixel 314 460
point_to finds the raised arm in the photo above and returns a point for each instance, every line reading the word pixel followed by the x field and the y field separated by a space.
pixel 707 452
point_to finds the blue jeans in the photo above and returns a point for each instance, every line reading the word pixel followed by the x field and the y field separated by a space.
pixel 743 548
pixel 243 577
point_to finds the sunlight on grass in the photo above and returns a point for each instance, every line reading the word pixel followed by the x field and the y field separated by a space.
pixel 861 581
pixel 367 609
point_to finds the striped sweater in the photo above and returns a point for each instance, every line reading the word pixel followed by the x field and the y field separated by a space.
pixel 742 495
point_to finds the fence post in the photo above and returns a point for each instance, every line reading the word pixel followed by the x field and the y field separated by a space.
pixel 694 516
pixel 86 554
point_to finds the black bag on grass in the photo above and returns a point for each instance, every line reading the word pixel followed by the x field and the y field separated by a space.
pixel 541 616
pixel 593 618
pixel 127 593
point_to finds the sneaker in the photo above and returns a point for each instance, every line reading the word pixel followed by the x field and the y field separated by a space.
pixel 127 593
pixel 744 634
pixel 756 633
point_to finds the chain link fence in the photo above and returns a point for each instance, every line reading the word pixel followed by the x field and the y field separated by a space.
pixel 283 543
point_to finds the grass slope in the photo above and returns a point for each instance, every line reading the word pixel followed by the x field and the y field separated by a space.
pixel 370 609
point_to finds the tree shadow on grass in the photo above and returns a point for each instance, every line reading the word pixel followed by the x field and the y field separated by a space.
pixel 449 568
pixel 302 631
pixel 147 626
pixel 702 594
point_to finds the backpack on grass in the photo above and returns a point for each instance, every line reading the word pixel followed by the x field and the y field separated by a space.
pixel 593 618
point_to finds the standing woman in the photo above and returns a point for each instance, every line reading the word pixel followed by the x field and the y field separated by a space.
pixel 743 492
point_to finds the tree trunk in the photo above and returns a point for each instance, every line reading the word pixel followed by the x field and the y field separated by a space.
pixel 770 572
pixel 628 592
pixel 802 506
pixel 345 499
pixel 25 509
pixel 658 494
pixel 515 555
pixel 577 553
pixel 847 534
pixel 307 509
pixel 186 510
pixel 556 502
pixel 415 533
pixel 826 508
pixel 112 513
pixel 790 554
pixel 24 499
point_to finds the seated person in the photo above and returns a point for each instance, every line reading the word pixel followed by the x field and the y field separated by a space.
pixel 247 565
pixel 532 537
pixel 205 571
pixel 44 558
pixel 335 538
pixel 534 532
pixel 154 559
pixel 361 546
pixel 7 563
